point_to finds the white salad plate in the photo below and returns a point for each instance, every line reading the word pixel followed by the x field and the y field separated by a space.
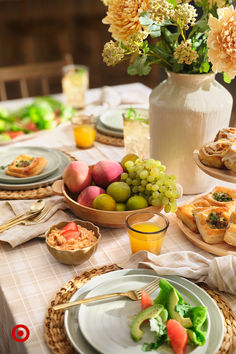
pixel 7 155
pixel 106 324
pixel 216 321
pixel 64 161
pixel 112 118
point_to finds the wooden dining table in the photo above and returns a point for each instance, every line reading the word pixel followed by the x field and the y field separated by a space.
pixel 30 276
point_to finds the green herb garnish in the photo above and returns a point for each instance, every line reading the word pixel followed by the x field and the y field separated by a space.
pixel 133 115
pixel 222 197
pixel 216 221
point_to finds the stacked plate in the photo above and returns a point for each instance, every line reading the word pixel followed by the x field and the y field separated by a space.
pixel 56 162
pixel 111 122
pixel 104 326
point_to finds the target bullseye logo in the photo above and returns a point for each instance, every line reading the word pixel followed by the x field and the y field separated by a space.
pixel 20 333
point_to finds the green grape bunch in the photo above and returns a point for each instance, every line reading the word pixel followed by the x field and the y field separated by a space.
pixel 148 179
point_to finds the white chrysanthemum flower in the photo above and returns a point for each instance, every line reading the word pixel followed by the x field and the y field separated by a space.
pixel 222 41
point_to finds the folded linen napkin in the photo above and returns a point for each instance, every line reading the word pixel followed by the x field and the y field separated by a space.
pixel 22 233
pixel 110 97
pixel 218 273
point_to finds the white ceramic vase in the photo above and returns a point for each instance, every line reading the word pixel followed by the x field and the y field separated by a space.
pixel 186 111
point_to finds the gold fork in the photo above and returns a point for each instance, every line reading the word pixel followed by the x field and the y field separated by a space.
pixel 38 217
pixel 132 294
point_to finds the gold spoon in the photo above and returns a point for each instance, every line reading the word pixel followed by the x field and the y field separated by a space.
pixel 34 209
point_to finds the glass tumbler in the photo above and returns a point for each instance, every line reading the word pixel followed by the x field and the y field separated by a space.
pixel 75 83
pixel 84 130
pixel 146 231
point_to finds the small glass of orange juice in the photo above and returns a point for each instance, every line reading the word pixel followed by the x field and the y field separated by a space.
pixel 146 231
pixel 84 130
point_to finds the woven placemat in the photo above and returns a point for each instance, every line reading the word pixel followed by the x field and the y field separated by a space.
pixel 109 140
pixel 36 193
pixel 54 330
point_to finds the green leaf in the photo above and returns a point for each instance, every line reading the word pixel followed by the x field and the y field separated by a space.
pixel 205 67
pixel 177 68
pixel 139 67
pixel 154 30
pixel 226 78
pixel 145 19
pixel 173 2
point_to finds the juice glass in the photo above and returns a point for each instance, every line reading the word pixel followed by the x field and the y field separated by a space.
pixel 146 231
pixel 84 130
pixel 75 83
pixel 136 132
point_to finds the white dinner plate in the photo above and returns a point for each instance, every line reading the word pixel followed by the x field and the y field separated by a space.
pixel 82 346
pixel 64 161
pixel 7 155
pixel 106 324
pixel 113 119
pixel 112 132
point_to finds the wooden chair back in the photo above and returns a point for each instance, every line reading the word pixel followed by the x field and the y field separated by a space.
pixel 37 71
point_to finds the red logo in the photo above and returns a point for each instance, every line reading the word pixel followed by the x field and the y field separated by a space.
pixel 20 333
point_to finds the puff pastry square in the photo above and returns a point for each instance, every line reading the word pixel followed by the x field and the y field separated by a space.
pixel 222 197
pixel 26 166
pixel 212 223
pixel 230 234
pixel 186 214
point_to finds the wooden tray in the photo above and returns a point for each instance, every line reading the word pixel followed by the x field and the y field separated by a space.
pixel 224 175
pixel 219 249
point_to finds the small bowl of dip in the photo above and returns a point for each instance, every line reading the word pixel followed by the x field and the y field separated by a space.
pixel 72 246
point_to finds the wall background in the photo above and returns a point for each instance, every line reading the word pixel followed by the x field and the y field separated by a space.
pixel 44 30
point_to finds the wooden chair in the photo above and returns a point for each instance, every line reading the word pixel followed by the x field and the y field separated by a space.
pixel 38 71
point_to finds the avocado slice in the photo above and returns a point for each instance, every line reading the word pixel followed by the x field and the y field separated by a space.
pixel 171 304
pixel 152 311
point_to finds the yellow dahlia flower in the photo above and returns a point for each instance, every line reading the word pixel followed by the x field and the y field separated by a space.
pixel 222 41
pixel 123 17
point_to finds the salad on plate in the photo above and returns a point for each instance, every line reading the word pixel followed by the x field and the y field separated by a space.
pixel 42 114
pixel 174 321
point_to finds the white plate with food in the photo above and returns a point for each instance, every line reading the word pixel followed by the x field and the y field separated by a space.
pixel 24 158
pixel 216 329
pixel 64 161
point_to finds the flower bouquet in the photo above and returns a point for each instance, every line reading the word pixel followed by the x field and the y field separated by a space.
pixel 185 38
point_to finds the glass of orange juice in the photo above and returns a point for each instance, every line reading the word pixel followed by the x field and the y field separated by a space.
pixel 146 231
pixel 84 130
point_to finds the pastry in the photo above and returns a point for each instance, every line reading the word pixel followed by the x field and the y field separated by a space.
pixel 26 166
pixel 201 203
pixel 229 159
pixel 222 197
pixel 230 234
pixel 186 214
pixel 212 223
pixel 226 133
pixel 211 154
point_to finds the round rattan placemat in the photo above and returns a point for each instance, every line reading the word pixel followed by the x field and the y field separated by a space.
pixel 55 334
pixel 109 140
pixel 36 193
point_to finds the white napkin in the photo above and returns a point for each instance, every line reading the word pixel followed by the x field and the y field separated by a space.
pixel 110 97
pixel 22 233
pixel 218 273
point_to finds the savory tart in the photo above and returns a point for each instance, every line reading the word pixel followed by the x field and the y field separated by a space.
pixel 26 166
pixel 222 197
pixel 212 223
pixel 226 133
pixel 186 213
pixel 230 234
pixel 211 154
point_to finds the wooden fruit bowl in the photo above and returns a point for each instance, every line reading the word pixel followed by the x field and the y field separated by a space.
pixel 113 219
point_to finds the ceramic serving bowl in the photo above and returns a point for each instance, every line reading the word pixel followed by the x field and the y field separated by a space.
pixel 113 219
pixel 76 256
